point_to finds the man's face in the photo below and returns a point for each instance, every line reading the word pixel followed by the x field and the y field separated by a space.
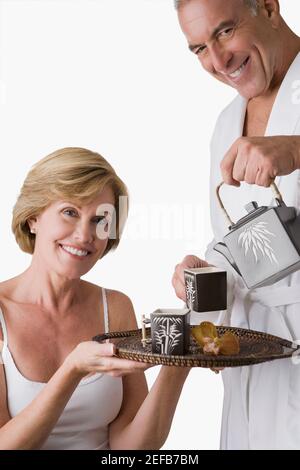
pixel 232 44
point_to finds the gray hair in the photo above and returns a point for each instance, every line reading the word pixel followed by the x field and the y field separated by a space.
pixel 252 4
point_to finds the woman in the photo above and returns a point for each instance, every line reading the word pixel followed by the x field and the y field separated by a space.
pixel 58 389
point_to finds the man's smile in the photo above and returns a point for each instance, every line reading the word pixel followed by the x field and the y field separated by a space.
pixel 238 71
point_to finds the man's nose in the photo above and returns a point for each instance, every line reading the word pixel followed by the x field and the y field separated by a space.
pixel 220 58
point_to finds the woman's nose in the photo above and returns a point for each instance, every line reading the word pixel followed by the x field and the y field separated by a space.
pixel 85 232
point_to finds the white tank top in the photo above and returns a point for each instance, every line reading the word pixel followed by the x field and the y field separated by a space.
pixel 94 404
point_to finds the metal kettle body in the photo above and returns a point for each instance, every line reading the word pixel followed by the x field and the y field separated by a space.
pixel 264 246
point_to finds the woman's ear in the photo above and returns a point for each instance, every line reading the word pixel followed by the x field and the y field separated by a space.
pixel 32 224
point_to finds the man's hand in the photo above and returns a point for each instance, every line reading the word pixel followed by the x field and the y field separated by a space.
pixel 258 160
pixel 189 261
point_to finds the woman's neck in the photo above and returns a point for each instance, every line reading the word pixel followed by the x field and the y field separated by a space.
pixel 47 290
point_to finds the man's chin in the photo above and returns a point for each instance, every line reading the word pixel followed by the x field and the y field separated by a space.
pixel 253 88
pixel 249 93
pixel 246 90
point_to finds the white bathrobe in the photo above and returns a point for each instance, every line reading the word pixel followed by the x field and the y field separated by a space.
pixel 261 403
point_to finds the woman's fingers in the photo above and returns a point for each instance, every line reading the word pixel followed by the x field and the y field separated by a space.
pixel 116 366
pixel 106 349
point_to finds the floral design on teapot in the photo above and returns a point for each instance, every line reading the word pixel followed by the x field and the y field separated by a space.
pixel 256 238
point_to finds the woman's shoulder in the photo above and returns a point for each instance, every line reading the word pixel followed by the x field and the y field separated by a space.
pixel 3 287
pixel 122 310
pixel 120 307
pixel 7 294
pixel 116 297
pixel 5 291
pixel 3 294
pixel 119 299
pixel 7 287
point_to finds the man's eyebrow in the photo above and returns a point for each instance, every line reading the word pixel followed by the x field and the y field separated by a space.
pixel 222 25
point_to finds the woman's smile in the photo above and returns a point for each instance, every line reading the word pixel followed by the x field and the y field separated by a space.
pixel 74 251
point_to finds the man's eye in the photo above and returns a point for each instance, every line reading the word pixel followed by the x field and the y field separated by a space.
pixel 227 32
pixel 200 50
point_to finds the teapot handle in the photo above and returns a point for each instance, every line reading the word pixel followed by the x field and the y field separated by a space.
pixel 274 188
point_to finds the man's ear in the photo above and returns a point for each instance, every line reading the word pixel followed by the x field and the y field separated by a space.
pixel 272 11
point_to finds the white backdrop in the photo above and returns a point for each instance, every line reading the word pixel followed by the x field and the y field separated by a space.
pixel 115 76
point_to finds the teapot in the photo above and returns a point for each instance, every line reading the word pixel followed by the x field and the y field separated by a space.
pixel 263 246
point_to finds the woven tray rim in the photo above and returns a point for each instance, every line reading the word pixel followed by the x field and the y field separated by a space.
pixel 202 360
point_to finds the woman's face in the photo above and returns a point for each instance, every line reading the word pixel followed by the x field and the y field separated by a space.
pixel 70 238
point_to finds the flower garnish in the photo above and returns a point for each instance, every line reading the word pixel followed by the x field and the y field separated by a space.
pixel 207 337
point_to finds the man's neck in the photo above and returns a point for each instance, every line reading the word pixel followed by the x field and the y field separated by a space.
pixel 258 114
pixel 260 107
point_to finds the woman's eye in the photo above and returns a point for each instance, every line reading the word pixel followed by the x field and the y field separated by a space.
pixel 70 212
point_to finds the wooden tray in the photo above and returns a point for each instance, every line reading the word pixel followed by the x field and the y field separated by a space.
pixel 255 347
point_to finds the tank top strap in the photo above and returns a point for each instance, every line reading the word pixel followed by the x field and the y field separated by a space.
pixel 105 310
pixel 3 327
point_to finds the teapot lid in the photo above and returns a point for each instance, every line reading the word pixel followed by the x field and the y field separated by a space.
pixel 253 211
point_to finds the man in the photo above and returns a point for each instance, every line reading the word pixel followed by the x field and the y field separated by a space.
pixel 247 45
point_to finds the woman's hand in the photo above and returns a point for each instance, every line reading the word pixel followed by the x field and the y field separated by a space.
pixel 91 357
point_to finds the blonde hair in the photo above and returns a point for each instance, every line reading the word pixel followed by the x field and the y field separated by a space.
pixel 75 174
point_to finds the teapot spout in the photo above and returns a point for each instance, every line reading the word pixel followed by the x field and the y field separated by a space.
pixel 222 248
